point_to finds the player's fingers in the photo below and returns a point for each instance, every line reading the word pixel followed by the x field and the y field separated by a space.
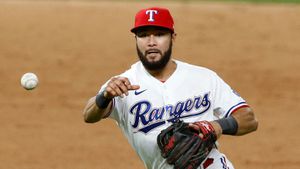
pixel 128 84
pixel 116 89
pixel 194 127
pixel 109 92
pixel 134 87
pixel 125 80
pixel 122 86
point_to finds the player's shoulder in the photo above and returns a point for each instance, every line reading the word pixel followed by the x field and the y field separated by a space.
pixel 131 71
pixel 192 68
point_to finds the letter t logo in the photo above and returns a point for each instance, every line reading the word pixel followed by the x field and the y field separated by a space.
pixel 151 14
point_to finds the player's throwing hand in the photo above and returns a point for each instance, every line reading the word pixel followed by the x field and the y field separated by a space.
pixel 118 86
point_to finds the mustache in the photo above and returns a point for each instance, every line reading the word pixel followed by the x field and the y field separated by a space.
pixel 152 51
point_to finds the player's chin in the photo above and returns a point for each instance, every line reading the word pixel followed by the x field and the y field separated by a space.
pixel 153 58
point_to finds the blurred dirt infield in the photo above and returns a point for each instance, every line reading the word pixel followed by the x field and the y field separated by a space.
pixel 75 47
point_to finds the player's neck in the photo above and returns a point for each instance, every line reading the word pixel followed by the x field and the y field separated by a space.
pixel 165 73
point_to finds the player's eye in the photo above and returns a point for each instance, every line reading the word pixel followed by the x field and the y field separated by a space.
pixel 141 34
pixel 160 34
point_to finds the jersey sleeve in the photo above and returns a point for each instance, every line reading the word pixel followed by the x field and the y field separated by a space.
pixel 226 100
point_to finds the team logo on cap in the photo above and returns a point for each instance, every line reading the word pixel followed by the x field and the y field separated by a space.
pixel 151 14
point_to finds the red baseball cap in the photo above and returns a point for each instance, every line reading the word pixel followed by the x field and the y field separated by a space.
pixel 154 16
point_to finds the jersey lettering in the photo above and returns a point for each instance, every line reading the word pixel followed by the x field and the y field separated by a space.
pixel 148 117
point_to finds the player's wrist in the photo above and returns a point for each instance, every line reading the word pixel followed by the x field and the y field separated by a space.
pixel 217 128
pixel 229 125
pixel 206 128
pixel 101 101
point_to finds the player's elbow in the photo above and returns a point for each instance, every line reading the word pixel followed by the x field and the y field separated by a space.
pixel 89 120
pixel 86 118
pixel 252 122
pixel 91 116
pixel 91 112
pixel 254 125
pixel 247 121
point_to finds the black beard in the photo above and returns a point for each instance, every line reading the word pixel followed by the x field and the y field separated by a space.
pixel 158 65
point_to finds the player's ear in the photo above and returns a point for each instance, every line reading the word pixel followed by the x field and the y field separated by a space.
pixel 173 36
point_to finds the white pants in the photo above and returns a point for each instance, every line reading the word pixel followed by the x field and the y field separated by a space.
pixel 216 160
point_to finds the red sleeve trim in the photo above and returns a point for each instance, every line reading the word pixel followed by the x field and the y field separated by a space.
pixel 237 108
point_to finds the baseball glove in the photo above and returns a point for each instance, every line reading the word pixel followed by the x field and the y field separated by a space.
pixel 186 145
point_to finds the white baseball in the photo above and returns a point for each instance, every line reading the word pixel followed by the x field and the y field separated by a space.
pixel 29 81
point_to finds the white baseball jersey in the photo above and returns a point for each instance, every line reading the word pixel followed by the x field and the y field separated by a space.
pixel 192 93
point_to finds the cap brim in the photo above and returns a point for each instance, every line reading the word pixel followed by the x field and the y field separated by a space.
pixel 133 30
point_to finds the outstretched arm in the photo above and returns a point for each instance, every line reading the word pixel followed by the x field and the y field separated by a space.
pixel 92 113
pixel 99 106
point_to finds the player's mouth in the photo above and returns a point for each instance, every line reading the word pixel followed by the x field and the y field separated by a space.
pixel 152 53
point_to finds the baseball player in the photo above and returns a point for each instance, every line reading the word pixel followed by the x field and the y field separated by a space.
pixel 157 89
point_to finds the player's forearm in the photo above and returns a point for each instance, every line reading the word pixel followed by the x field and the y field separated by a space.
pixel 246 120
pixel 92 113
pixel 217 128
pixel 239 123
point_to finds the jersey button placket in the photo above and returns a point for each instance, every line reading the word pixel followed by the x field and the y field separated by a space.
pixel 166 101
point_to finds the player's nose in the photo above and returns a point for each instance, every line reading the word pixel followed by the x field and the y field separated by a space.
pixel 152 40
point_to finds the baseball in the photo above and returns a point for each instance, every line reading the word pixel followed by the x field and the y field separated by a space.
pixel 29 81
